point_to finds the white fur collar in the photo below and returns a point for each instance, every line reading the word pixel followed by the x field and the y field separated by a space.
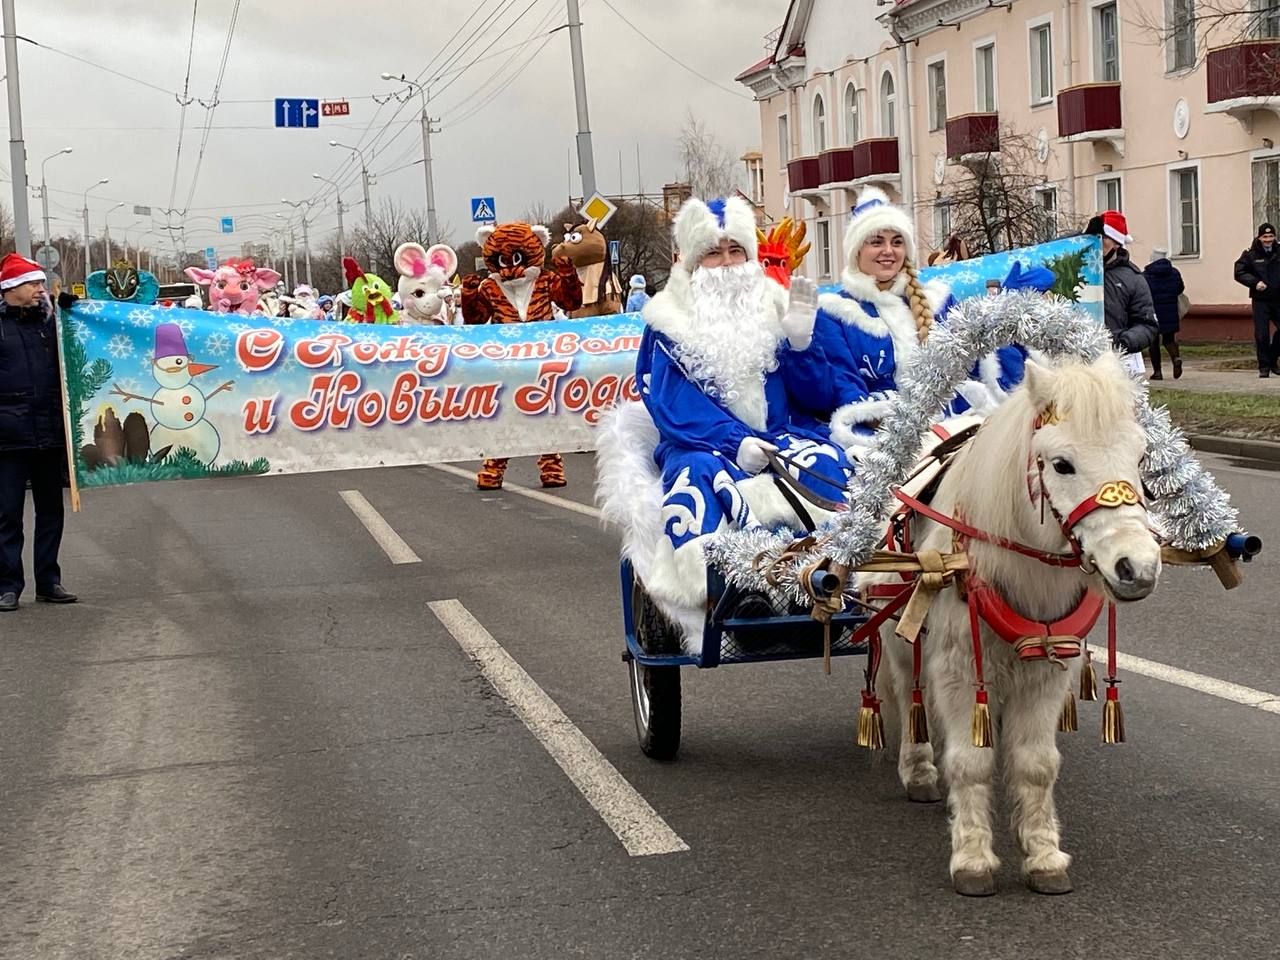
pixel 894 321
pixel 519 293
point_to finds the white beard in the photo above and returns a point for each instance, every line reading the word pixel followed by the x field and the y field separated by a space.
pixel 732 343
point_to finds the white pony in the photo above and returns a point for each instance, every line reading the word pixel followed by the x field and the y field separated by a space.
pixel 1052 449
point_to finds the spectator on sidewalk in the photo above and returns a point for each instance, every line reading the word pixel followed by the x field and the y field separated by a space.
pixel 1259 269
pixel 32 436
pixel 637 297
pixel 1130 317
pixel 1165 283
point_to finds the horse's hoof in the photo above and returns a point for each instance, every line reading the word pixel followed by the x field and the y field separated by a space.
pixel 923 793
pixel 1051 882
pixel 974 883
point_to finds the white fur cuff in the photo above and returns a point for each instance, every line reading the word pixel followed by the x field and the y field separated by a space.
pixel 857 413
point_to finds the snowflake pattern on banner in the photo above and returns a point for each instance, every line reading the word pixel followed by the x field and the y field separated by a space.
pixel 511 331
pixel 217 344
pixel 130 385
pixel 238 328
pixel 120 346
pixel 142 318
pixel 80 331
pixel 327 328
pixel 367 336
pixel 282 321
pixel 91 307
pixel 185 325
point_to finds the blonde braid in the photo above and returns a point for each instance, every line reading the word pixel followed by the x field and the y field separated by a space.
pixel 919 303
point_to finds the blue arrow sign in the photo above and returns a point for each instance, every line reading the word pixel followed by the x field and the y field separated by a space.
pixel 227 224
pixel 615 247
pixel 482 210
pixel 297 112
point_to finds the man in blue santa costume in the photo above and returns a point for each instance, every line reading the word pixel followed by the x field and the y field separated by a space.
pixel 874 326
pixel 713 367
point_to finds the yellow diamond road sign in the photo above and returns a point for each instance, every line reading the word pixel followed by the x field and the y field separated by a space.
pixel 599 209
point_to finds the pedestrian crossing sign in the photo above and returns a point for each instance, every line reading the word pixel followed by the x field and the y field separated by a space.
pixel 599 208
pixel 482 210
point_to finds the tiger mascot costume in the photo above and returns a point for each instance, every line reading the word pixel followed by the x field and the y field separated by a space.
pixel 519 290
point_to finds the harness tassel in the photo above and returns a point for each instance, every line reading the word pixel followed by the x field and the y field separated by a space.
pixel 870 723
pixel 1112 715
pixel 980 729
pixel 1088 679
pixel 917 722
pixel 1068 721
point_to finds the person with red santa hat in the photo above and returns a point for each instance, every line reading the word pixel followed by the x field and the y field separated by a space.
pixel 32 436
pixel 1127 306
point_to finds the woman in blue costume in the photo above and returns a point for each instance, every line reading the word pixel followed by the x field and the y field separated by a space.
pixel 874 326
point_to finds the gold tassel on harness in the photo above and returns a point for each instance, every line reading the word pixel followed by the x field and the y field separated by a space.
pixel 980 728
pixel 870 723
pixel 917 722
pixel 1088 679
pixel 1068 722
pixel 1112 717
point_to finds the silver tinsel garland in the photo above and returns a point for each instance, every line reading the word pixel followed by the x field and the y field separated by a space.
pixel 1189 510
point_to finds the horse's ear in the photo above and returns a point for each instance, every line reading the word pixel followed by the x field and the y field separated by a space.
pixel 1040 382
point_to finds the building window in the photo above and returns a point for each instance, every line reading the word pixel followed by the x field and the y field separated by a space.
pixel 1266 190
pixel 937 95
pixel 1109 194
pixel 1184 194
pixel 1041 63
pixel 1047 204
pixel 941 223
pixel 819 124
pixel 1268 19
pixel 888 106
pixel 784 140
pixel 1106 43
pixel 1180 22
pixel 852 115
pixel 984 72
pixel 822 249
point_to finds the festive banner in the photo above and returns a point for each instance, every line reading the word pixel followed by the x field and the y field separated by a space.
pixel 162 394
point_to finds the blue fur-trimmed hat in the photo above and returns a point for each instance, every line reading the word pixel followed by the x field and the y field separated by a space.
pixel 872 213
pixel 699 228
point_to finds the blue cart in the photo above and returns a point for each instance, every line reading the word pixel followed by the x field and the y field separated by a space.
pixel 741 627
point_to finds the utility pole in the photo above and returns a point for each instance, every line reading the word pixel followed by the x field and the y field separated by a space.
pixel 433 233
pixel 586 160
pixel 17 148
pixel 368 207
pixel 305 207
pixel 342 248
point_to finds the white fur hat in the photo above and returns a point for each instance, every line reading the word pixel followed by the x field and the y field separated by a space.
pixel 699 227
pixel 872 214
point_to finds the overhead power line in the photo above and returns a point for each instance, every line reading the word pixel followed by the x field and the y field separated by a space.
pixel 185 101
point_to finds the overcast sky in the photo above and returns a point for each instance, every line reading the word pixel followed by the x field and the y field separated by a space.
pixel 515 147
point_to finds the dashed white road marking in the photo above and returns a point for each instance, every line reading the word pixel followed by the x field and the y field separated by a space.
pixel 582 508
pixel 642 831
pixel 379 529
pixel 1222 689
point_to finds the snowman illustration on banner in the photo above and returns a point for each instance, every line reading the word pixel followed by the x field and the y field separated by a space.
pixel 178 406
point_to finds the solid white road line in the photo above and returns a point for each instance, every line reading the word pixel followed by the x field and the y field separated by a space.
pixel 642 832
pixel 379 529
pixel 1222 689
pixel 582 508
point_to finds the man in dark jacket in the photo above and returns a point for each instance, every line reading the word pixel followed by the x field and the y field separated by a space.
pixel 32 436
pixel 1259 269
pixel 1165 283
pixel 1130 315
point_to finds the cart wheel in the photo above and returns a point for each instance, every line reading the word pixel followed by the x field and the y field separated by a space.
pixel 655 698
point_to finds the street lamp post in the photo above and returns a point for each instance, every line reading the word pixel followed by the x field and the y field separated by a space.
pixel 86 225
pixel 305 207
pixel 433 235
pixel 106 233
pixel 342 249
pixel 17 147
pixel 44 191
pixel 368 208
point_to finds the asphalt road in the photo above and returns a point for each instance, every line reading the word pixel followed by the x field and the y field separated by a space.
pixel 254 740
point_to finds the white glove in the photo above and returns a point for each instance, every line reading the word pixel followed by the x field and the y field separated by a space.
pixel 982 402
pixel 751 454
pixel 802 310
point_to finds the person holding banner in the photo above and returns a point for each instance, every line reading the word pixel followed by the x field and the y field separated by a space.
pixel 874 325
pixel 713 367
pixel 32 432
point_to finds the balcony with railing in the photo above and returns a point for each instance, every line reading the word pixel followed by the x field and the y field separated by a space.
pixel 875 159
pixel 973 137
pixel 804 177
pixel 1244 77
pixel 1090 112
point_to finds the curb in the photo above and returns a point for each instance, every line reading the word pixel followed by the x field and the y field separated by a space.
pixel 1237 447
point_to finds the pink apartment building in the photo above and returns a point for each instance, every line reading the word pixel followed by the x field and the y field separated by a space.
pixel 1153 107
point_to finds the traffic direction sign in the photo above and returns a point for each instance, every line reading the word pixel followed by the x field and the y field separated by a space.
pixel 482 210
pixel 211 258
pixel 297 112
pixel 227 225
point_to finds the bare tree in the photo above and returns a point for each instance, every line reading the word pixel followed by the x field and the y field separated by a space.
pixel 709 168
pixel 391 224
pixel 998 202
pixel 1188 29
